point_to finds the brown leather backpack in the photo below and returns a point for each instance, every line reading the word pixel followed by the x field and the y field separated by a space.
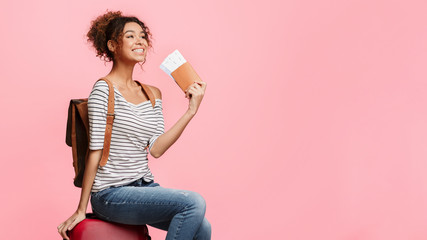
pixel 77 134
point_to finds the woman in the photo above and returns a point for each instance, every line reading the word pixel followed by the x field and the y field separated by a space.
pixel 123 190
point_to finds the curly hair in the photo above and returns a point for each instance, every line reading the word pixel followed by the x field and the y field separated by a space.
pixel 109 26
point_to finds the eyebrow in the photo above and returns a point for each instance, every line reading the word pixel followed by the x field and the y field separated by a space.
pixel 133 31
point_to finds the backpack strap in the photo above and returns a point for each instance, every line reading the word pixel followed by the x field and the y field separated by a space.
pixel 147 92
pixel 109 125
pixel 110 117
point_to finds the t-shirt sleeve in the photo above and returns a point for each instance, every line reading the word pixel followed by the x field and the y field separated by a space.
pixel 160 129
pixel 97 111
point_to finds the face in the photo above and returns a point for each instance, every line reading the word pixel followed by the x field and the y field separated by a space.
pixel 134 45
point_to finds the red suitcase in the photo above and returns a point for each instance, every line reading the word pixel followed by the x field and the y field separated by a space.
pixel 92 229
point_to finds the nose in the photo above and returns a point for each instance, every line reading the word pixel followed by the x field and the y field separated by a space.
pixel 140 41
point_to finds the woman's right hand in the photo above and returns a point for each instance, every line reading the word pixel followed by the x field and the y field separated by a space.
pixel 70 223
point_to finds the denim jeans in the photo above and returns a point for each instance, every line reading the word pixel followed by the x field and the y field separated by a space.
pixel 180 212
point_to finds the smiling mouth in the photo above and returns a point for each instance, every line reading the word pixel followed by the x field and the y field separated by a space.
pixel 138 50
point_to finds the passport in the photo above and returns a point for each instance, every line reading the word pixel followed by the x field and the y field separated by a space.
pixel 180 70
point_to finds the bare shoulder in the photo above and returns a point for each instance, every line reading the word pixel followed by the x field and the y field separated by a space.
pixel 157 93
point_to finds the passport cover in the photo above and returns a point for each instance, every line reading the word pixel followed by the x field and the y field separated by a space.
pixel 180 70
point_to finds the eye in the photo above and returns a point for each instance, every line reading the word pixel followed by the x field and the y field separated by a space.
pixel 130 36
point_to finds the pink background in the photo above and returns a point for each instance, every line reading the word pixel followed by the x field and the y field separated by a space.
pixel 314 124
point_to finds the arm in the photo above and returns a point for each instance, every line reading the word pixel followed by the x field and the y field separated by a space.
pixel 88 178
pixel 97 113
pixel 195 95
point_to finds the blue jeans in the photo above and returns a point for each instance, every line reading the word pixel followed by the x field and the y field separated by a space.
pixel 180 212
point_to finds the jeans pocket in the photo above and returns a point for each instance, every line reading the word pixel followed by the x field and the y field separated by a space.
pixel 100 195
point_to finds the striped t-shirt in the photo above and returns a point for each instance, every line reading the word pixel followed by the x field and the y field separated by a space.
pixel 135 126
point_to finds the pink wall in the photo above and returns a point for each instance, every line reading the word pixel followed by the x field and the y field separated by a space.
pixel 314 125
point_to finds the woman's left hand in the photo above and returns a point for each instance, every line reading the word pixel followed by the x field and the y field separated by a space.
pixel 195 93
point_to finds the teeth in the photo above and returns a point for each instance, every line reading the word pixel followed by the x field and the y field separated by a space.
pixel 138 50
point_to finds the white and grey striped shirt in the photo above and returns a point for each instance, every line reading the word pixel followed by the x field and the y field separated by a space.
pixel 135 126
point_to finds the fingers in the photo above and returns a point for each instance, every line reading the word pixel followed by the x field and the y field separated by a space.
pixel 70 223
pixel 62 230
pixel 197 84
pixel 191 92
pixel 197 88
pixel 187 93
pixel 202 84
pixel 73 224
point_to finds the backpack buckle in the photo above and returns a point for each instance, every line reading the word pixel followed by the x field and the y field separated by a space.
pixel 110 118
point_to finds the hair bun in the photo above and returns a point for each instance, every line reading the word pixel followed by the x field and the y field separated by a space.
pixel 97 33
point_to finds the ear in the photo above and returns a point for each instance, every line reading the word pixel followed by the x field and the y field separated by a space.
pixel 111 46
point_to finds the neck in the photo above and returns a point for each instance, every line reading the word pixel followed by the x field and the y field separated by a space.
pixel 121 74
